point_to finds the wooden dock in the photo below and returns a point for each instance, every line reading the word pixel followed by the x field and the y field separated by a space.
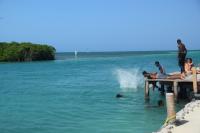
pixel 176 84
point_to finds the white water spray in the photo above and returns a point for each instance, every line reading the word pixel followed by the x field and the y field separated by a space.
pixel 129 79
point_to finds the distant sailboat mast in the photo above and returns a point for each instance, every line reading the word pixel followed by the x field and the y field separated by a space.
pixel 75 53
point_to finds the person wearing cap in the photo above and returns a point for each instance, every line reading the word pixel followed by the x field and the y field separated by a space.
pixel 160 67
pixel 182 52
pixel 161 73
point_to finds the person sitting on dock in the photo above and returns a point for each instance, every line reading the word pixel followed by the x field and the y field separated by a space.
pixel 188 66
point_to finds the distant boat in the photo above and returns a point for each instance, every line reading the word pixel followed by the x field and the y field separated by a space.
pixel 75 53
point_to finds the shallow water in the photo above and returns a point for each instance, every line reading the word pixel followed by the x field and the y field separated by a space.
pixel 78 95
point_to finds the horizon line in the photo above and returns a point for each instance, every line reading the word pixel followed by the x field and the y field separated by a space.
pixel 124 51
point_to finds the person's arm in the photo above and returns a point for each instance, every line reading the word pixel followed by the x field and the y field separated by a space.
pixel 161 70
pixel 185 67
pixel 184 49
pixel 198 72
pixel 179 51
pixel 154 73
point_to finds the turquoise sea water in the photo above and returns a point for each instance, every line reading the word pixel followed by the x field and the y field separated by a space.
pixel 77 95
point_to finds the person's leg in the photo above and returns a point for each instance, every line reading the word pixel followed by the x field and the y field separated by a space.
pixel 176 76
pixel 162 88
pixel 154 85
pixel 180 64
pixel 182 69
pixel 169 89
pixel 183 62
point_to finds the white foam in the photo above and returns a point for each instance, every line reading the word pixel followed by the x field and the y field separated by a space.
pixel 129 79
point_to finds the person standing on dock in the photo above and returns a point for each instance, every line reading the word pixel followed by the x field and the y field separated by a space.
pixel 161 73
pixel 160 67
pixel 182 52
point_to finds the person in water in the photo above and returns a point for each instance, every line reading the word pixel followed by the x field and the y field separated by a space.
pixel 182 52
pixel 160 103
pixel 119 95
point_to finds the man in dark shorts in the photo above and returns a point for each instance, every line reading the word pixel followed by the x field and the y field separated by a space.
pixel 182 52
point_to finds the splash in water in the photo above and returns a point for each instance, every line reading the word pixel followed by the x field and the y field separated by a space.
pixel 129 79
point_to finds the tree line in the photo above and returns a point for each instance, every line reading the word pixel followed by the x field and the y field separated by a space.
pixel 25 51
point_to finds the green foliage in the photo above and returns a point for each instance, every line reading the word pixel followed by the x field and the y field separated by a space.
pixel 25 51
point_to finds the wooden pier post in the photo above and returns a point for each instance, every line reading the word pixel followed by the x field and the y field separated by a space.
pixel 175 86
pixel 146 90
pixel 171 113
pixel 194 79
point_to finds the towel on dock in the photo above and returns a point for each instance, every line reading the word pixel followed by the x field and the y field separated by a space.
pixel 190 77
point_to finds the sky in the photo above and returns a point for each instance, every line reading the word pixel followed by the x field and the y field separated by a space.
pixel 102 25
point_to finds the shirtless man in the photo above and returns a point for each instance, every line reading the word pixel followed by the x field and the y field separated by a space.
pixel 188 66
pixel 182 52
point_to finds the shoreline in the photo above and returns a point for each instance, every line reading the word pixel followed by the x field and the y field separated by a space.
pixel 187 120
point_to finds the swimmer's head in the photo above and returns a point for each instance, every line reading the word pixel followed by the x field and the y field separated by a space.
pixel 119 95
pixel 160 103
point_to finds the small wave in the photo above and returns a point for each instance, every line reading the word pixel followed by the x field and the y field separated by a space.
pixel 129 79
